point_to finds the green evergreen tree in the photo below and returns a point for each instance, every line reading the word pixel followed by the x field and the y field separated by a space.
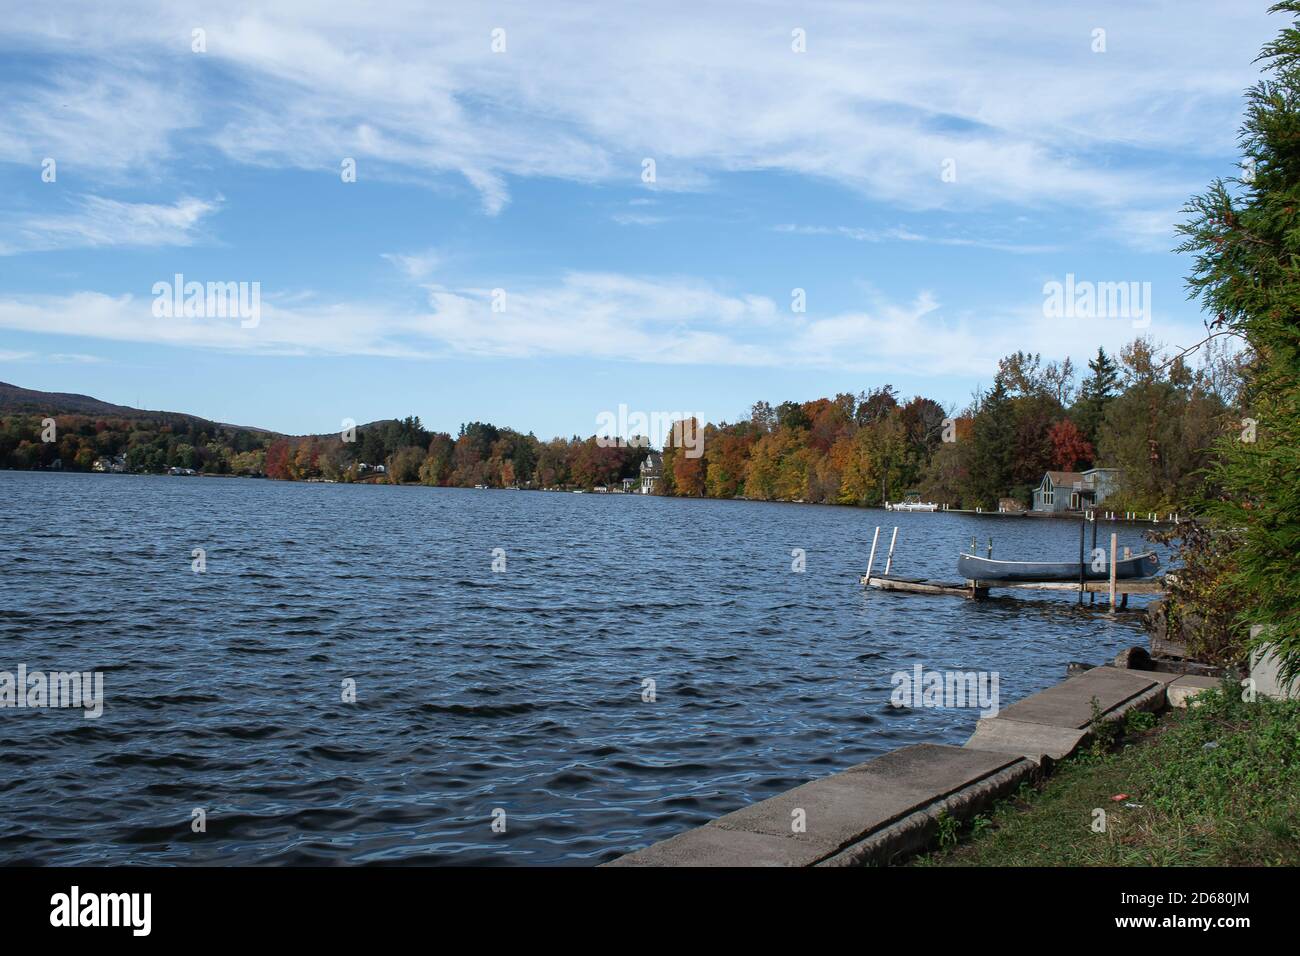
pixel 1245 234
pixel 993 441
pixel 1095 393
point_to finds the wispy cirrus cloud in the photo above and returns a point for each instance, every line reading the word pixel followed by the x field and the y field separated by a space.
pixel 415 265
pixel 58 358
pixel 94 221
pixel 104 114
pixel 902 234
pixel 1018 102
pixel 605 317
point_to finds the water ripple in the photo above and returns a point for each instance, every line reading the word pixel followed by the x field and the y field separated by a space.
pixel 643 665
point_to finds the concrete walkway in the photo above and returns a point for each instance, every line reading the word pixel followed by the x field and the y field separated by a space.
pixel 891 806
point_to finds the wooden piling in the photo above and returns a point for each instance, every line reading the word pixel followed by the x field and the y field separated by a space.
pixel 1083 527
pixel 1114 546
pixel 1092 598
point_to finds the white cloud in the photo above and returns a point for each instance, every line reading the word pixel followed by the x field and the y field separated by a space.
pixel 415 265
pixel 637 219
pixel 883 96
pixel 612 318
pixel 902 234
pixel 96 221
pixel 97 116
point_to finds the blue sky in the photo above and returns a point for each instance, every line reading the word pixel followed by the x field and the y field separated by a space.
pixel 522 170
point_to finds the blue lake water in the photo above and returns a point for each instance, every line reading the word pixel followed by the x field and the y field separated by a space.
pixel 476 691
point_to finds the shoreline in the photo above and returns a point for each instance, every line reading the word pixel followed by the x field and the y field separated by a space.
pixel 1037 515
pixel 899 804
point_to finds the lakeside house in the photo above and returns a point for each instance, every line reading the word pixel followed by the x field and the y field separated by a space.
pixel 652 469
pixel 114 466
pixel 1062 491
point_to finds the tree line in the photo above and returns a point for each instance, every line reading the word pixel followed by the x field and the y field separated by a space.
pixel 1153 420
pixel 480 454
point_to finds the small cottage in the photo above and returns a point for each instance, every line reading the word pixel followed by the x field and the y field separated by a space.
pixel 1062 491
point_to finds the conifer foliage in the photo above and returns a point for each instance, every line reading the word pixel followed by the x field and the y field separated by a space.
pixel 1245 235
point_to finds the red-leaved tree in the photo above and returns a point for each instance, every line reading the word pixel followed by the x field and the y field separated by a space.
pixel 1069 448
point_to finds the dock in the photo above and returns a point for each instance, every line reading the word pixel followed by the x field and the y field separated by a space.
pixel 979 590
pixel 1118 589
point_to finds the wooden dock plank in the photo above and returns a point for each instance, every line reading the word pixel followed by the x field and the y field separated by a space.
pixel 1140 586
pixel 916 586
pixel 980 588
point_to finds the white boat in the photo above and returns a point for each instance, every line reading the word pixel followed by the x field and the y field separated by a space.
pixel 911 506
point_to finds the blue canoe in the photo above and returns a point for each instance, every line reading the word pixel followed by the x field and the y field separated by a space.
pixel 974 568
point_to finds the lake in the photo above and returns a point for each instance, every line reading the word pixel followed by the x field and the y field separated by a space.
pixel 476 691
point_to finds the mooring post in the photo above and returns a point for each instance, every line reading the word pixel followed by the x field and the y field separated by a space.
pixel 1114 546
pixel 872 560
pixel 1092 596
pixel 889 561
pixel 1083 529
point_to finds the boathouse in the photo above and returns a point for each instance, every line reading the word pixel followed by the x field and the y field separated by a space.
pixel 1061 491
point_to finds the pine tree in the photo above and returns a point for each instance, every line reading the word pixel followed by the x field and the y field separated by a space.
pixel 992 443
pixel 1245 234
pixel 1095 392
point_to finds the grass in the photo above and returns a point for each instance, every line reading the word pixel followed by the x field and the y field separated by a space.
pixel 1215 785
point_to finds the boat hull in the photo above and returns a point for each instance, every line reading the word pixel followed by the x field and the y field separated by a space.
pixel 974 568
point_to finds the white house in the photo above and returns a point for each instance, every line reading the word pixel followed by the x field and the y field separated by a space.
pixel 652 470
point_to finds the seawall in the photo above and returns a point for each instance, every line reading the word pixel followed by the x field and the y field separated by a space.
pixel 889 807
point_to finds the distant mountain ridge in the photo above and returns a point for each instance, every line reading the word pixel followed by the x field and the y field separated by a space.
pixel 29 401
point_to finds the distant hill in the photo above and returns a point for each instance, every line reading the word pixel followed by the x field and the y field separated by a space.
pixel 361 429
pixel 28 401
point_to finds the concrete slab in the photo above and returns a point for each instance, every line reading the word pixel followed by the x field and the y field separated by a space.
pixel 1069 704
pixel 1181 691
pixel 1034 741
pixel 836 810
pixel 1266 671
pixel 898 791
pixel 844 808
pixel 712 845
pixel 936 768
pixel 1160 677
pixel 918 829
